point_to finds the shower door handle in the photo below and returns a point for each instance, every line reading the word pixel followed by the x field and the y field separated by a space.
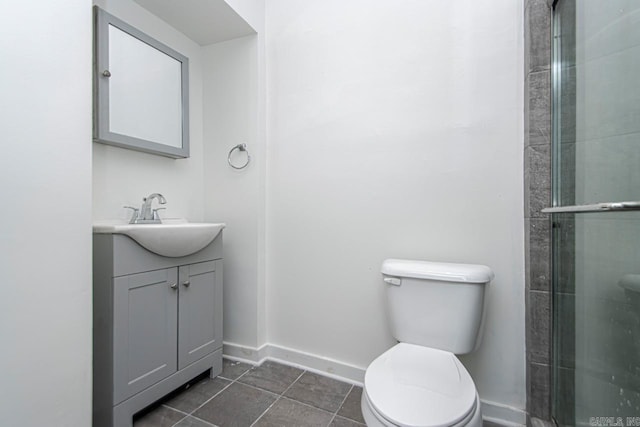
pixel 596 207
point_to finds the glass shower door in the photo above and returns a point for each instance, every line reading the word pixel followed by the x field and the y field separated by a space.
pixel 596 252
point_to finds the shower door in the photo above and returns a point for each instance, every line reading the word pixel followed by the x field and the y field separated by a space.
pixel 596 239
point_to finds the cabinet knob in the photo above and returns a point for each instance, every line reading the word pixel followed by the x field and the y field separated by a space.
pixel 186 283
pixel 173 286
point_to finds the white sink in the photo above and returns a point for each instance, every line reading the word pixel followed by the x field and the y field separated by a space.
pixel 172 238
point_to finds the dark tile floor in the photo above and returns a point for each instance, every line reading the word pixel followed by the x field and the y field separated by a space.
pixel 264 396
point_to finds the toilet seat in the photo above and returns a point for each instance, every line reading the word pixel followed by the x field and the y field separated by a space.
pixel 411 385
pixel 374 419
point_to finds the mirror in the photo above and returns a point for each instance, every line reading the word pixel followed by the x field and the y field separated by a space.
pixel 141 93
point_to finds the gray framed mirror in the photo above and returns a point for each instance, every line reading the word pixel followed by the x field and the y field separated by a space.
pixel 141 90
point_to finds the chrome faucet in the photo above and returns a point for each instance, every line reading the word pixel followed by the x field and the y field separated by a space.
pixel 147 215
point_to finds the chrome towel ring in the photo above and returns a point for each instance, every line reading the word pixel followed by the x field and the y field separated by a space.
pixel 239 147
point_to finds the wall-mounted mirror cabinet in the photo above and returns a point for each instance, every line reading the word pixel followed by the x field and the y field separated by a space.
pixel 141 90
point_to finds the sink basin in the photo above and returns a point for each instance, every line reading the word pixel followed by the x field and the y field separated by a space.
pixel 172 238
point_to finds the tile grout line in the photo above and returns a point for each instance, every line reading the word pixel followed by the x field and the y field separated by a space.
pixel 256 387
pixel 185 415
pixel 194 417
pixel 293 399
pixel 174 409
pixel 201 420
pixel 306 404
pixel 340 406
pixel 282 396
pixel 190 414
pixel 265 411
pixel 237 378
pixel 279 397
pixel 211 398
pixel 260 389
pixel 291 385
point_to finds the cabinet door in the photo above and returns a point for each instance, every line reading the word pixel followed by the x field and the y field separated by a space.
pixel 199 311
pixel 145 330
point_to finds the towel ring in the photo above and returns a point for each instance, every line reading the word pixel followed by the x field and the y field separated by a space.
pixel 239 147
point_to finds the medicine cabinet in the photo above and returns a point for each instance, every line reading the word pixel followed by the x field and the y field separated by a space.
pixel 141 90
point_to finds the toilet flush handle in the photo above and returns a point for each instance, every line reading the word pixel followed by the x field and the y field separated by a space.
pixel 393 281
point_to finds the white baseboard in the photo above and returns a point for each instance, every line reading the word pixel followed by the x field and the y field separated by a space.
pixel 503 415
pixel 491 411
pixel 318 364
pixel 321 365
pixel 242 353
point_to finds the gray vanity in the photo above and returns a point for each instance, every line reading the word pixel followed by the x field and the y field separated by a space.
pixel 157 323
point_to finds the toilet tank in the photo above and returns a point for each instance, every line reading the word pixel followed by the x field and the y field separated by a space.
pixel 434 304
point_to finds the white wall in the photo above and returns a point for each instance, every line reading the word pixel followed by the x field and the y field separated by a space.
pixel 251 11
pixel 123 177
pixel 234 112
pixel 235 196
pixel 45 237
pixel 394 130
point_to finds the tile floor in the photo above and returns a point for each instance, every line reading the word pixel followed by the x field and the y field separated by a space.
pixel 268 395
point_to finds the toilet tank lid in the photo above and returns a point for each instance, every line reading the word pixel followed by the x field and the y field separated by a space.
pixel 450 272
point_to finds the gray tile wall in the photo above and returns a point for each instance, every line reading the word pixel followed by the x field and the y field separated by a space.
pixel 537 191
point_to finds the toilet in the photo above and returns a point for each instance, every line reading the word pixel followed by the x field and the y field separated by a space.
pixel 435 312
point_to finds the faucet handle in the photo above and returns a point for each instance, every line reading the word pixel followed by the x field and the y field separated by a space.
pixel 134 216
pixel 155 213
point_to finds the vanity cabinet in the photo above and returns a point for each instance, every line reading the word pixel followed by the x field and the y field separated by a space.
pixel 157 324
pixel 145 330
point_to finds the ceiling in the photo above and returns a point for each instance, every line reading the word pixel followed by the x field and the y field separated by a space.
pixel 203 21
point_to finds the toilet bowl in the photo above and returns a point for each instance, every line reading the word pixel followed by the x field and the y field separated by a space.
pixel 435 311
pixel 410 385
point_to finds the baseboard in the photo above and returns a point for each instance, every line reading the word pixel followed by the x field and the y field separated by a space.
pixel 242 353
pixel 321 365
pixel 494 412
pixel 318 364
pixel 503 415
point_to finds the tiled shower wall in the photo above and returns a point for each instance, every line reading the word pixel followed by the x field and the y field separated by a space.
pixel 537 195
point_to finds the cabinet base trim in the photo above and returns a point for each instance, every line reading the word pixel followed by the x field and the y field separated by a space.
pixel 123 412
